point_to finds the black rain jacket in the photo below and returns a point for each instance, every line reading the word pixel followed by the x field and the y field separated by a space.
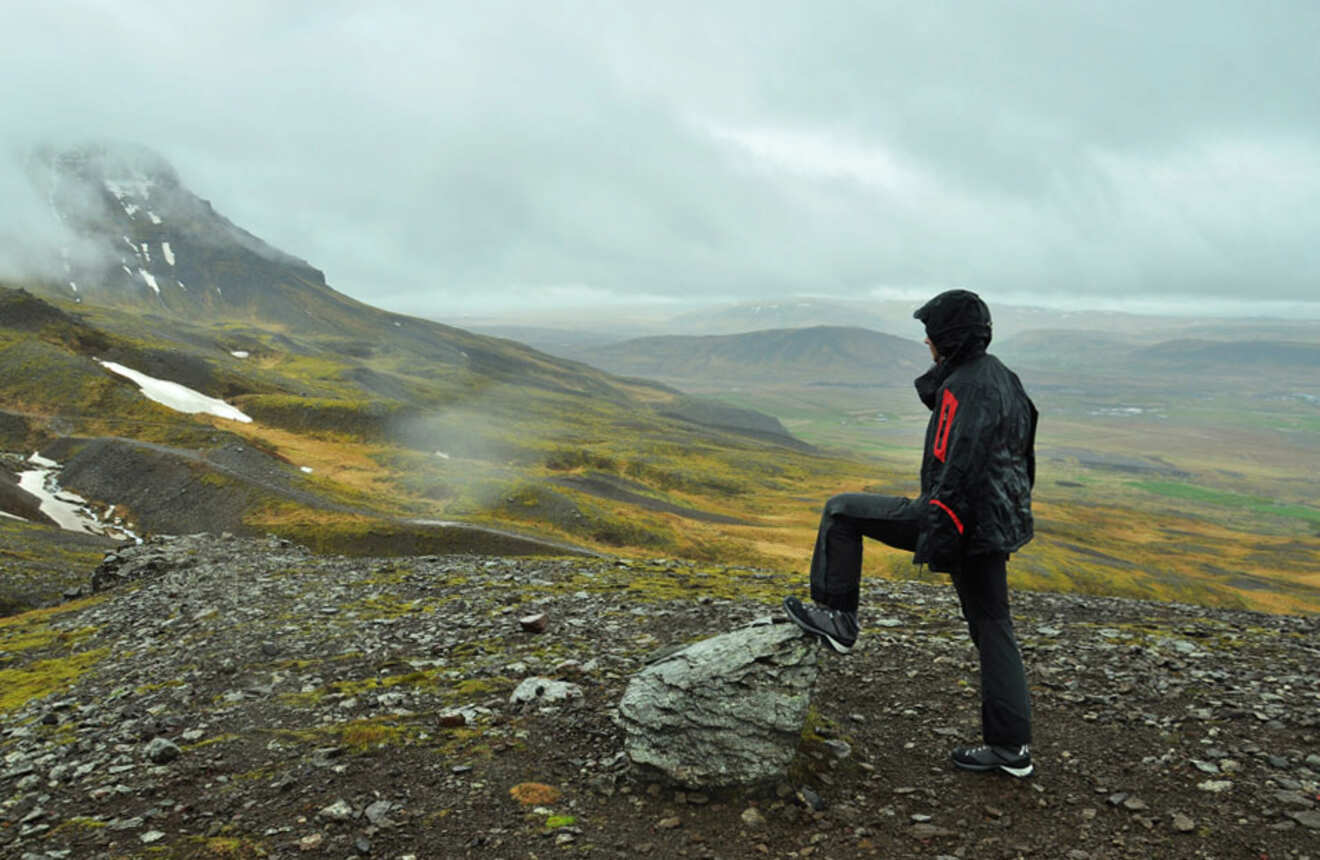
pixel 979 461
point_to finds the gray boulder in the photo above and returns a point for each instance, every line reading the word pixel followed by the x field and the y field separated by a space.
pixel 726 711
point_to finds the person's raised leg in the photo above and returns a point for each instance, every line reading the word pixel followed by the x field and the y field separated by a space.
pixel 836 562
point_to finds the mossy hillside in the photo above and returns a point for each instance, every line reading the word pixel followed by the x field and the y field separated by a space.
pixel 492 431
pixel 319 417
pixel 1093 549
pixel 576 516
pixel 42 377
pixel 504 438
pixel 38 563
pixel 21 432
pixel 358 534
pixel 41 655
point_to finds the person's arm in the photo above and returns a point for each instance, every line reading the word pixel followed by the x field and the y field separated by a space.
pixel 964 432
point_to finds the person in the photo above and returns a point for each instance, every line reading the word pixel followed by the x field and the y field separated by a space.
pixel 977 472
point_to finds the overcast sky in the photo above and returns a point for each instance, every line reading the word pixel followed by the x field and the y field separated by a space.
pixel 436 157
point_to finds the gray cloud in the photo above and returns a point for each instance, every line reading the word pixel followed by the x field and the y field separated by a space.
pixel 506 152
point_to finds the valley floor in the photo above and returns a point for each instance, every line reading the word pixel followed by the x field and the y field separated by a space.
pixel 240 698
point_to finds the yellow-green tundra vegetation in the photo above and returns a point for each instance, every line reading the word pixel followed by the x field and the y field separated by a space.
pixel 495 434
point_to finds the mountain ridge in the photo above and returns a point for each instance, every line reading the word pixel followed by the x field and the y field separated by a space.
pixel 810 354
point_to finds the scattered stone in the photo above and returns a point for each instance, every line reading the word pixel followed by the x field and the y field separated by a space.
pixel 725 711
pixel 337 811
pixel 1307 818
pixel 930 831
pixel 186 658
pixel 161 751
pixel 841 749
pixel 545 691
pixel 378 813
pixel 810 799
pixel 669 823
pixel 534 623
pixel 752 817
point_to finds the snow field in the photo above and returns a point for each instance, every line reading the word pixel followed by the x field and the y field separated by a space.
pixel 178 397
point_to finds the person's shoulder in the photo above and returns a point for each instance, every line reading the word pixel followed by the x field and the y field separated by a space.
pixel 980 368
pixel 992 365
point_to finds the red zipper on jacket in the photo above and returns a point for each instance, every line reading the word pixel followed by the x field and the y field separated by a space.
pixel 957 522
pixel 948 407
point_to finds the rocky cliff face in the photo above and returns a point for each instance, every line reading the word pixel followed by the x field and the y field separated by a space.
pixel 163 249
pixel 246 698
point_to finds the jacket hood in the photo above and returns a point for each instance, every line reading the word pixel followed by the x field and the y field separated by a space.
pixel 958 323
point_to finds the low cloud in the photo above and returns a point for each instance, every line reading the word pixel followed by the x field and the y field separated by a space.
pixel 36 243
pixel 458 156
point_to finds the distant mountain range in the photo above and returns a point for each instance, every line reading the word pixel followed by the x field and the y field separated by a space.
pixel 839 355
pixel 1245 348
pixel 819 355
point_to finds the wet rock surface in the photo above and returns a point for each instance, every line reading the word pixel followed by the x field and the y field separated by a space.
pixel 246 698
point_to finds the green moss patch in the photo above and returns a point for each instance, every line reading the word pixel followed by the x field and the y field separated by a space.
pixel 37 680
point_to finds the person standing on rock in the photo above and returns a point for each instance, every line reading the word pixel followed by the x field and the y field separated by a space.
pixel 978 467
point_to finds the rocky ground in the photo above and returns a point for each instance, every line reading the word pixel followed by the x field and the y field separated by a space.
pixel 227 697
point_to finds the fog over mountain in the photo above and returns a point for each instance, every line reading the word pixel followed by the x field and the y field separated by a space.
pixel 459 158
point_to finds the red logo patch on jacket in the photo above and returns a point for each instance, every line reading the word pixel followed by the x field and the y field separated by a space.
pixel 948 408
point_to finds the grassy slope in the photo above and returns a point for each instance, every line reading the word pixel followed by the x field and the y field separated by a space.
pixel 485 444
pixel 1228 516
pixel 478 438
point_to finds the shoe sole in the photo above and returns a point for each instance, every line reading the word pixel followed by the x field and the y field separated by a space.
pixel 1018 772
pixel 830 640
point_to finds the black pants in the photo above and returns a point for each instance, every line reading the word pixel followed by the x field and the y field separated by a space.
pixel 982 585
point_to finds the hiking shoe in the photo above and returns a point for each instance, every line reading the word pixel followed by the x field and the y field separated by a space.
pixel 1014 761
pixel 837 628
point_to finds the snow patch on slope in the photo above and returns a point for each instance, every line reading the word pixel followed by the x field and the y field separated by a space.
pixel 178 397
